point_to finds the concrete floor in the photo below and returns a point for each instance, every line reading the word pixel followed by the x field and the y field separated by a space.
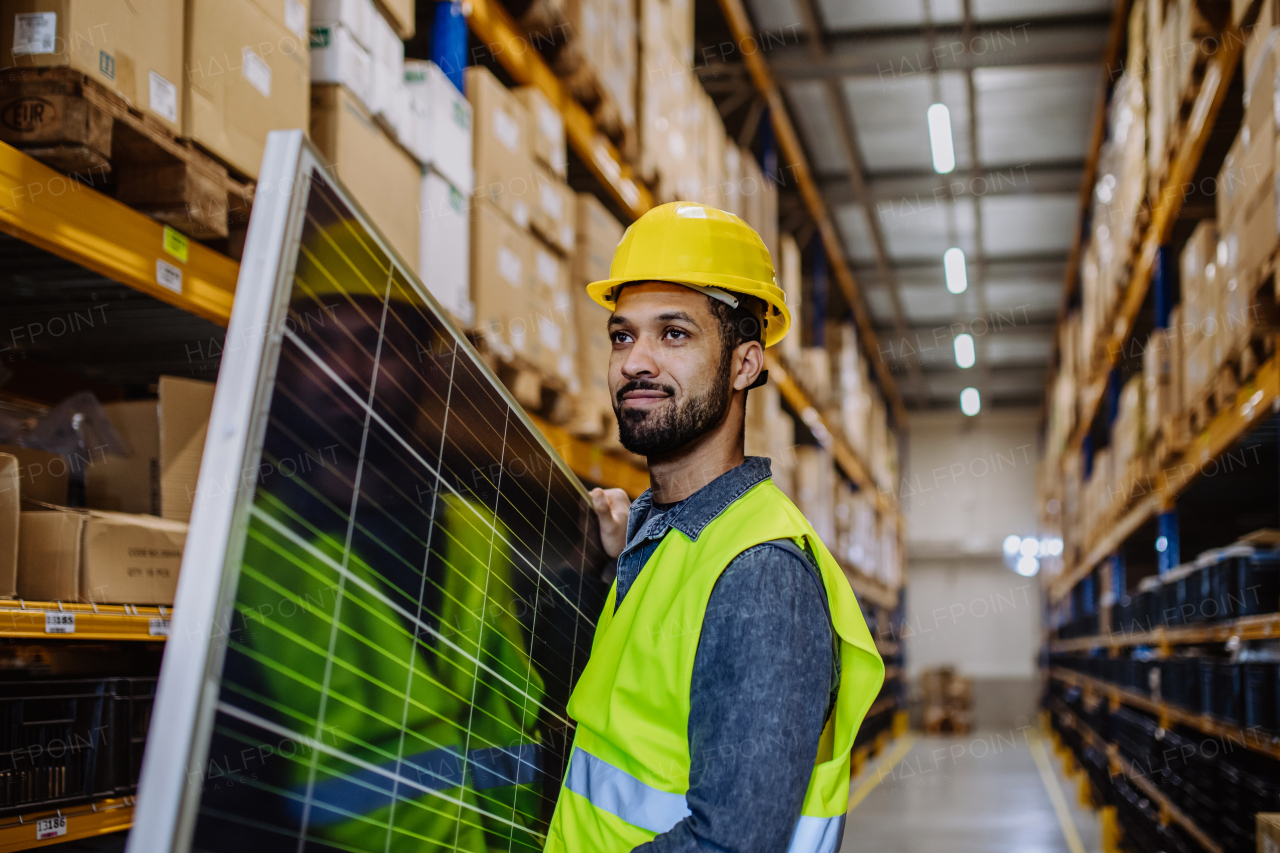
pixel 983 793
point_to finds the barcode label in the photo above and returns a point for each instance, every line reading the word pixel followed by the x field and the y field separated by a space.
pixel 51 827
pixel 159 627
pixel 59 623
pixel 167 275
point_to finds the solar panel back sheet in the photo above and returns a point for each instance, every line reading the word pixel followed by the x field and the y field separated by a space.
pixel 391 580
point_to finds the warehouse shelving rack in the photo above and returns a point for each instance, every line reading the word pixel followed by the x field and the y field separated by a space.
pixel 52 620
pixel 39 828
pixel 1171 715
pixel 1169 812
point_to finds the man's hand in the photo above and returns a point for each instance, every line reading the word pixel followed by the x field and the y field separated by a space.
pixel 611 507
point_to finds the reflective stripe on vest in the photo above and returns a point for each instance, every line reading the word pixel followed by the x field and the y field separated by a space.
pixel 617 792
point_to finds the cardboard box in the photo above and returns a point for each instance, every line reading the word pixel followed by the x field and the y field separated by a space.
pixel 133 47
pixel 41 476
pixel 502 147
pixel 547 130
pixel 554 346
pixel 185 407
pixel 356 15
pixel 502 279
pixel 247 74
pixel 102 557
pixel 440 136
pixel 10 503
pixel 1255 230
pixel 383 179
pixel 444 260
pixel 390 102
pixel 1268 832
pixel 129 484
pixel 400 15
pixel 553 214
pixel 337 57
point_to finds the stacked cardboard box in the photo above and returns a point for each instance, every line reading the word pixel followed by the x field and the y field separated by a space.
pixel 1200 307
pixel 770 431
pixel 248 72
pixel 815 490
pixel 598 234
pixel 1129 437
pixel 1162 390
pixel 522 230
pixel 132 48
pixel 947 700
pixel 665 84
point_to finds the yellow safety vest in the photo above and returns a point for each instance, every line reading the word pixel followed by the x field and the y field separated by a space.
pixel 629 769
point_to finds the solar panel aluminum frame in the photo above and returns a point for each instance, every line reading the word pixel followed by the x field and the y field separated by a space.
pixel 185 708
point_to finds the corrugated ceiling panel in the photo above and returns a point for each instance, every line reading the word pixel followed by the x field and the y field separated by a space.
pixel 1034 115
pixel 890 116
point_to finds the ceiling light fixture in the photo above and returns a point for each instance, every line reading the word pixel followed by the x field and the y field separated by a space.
pixel 965 356
pixel 953 264
pixel 944 154
pixel 970 401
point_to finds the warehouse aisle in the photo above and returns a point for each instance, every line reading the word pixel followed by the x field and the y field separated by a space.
pixel 978 794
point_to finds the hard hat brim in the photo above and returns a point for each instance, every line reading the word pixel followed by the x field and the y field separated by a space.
pixel 777 318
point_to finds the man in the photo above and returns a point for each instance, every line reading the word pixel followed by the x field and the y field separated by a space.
pixel 731 667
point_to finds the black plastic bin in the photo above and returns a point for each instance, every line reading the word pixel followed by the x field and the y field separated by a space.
pixel 64 742
pixel 1180 682
pixel 1227 696
pixel 1257 579
pixel 1260 695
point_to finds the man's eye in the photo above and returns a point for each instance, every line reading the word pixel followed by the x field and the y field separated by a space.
pixel 675 334
pixel 620 337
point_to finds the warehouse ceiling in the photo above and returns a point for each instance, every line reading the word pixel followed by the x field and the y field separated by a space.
pixel 1021 79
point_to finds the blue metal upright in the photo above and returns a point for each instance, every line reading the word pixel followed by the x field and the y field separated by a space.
pixel 819 300
pixel 449 41
pixel 1167 533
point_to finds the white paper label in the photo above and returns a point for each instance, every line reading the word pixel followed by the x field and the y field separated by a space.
pixel 506 129
pixel 549 123
pixel 509 266
pixel 35 32
pixel 159 627
pixel 164 98
pixel 295 17
pixel 520 213
pixel 51 827
pixel 551 202
pixel 59 623
pixel 256 71
pixel 548 269
pixel 549 333
pixel 566 236
pixel 167 275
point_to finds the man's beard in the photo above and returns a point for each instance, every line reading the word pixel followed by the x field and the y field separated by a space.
pixel 669 427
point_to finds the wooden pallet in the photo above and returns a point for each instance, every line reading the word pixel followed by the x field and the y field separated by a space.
pixel 549 30
pixel 74 124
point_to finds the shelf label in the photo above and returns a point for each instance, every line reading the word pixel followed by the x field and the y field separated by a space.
pixel 159 627
pixel 51 827
pixel 167 275
pixel 176 243
pixel 59 623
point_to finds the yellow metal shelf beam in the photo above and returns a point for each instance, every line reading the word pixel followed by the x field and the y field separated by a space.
pixel 508 43
pixel 60 215
pixel 1263 627
pixel 591 463
pixel 87 821
pixel 31 620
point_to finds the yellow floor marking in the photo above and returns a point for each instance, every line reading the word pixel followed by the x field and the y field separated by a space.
pixel 1059 800
pixel 899 751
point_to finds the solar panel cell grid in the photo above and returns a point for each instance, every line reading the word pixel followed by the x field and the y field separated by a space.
pixel 418 587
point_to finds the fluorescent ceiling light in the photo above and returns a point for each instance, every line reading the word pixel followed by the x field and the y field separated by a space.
pixel 1029 547
pixel 1012 544
pixel 970 402
pixel 957 275
pixel 965 356
pixel 944 154
pixel 1027 566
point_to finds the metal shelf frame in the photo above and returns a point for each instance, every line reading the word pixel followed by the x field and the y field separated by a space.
pixel 27 620
pixel 87 821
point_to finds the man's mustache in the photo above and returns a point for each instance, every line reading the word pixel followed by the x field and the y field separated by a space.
pixel 643 385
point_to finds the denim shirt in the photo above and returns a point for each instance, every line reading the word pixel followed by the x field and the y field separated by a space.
pixel 762 678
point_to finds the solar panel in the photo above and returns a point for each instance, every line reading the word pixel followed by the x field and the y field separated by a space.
pixel 391 579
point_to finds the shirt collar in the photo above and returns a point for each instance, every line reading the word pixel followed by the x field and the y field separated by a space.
pixel 698 510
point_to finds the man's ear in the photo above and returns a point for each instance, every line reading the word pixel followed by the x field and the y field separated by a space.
pixel 749 357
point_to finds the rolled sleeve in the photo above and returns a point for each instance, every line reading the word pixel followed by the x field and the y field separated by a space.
pixel 758 701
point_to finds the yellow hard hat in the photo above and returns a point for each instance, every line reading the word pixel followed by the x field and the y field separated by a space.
pixel 712 251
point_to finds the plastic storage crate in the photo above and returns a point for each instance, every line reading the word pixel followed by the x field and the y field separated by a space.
pixel 65 742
